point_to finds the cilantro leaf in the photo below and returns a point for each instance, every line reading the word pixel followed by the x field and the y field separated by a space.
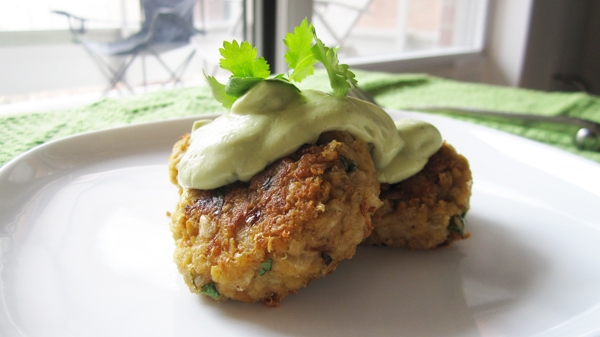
pixel 237 86
pixel 210 290
pixel 242 61
pixel 247 69
pixel 299 55
pixel 265 267
pixel 219 92
pixel 340 77
pixel 457 224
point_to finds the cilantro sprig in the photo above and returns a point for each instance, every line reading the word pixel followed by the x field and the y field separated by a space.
pixel 299 56
pixel 304 50
pixel 340 77
pixel 241 60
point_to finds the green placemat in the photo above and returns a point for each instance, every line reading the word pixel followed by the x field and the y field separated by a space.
pixel 22 132
pixel 452 93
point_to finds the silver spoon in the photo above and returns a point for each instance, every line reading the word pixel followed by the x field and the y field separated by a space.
pixel 587 138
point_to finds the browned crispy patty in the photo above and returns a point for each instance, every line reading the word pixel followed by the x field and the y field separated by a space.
pixel 292 223
pixel 177 153
pixel 427 210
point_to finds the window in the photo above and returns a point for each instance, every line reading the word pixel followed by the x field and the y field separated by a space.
pixel 36 15
pixel 367 28
pixel 372 34
pixel 392 35
pixel 41 60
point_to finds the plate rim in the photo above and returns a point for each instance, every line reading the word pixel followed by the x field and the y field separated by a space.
pixel 7 167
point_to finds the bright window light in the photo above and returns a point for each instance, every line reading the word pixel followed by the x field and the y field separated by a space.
pixel 368 28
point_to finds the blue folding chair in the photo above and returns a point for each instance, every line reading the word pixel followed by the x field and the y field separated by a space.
pixel 167 25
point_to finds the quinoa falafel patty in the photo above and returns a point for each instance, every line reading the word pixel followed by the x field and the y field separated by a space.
pixel 291 223
pixel 426 210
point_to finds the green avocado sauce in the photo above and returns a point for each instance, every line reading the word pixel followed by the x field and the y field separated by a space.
pixel 274 119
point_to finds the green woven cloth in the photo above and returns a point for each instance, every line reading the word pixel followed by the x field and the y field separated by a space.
pixel 22 132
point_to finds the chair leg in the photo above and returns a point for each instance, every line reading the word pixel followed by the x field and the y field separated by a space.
pixel 328 27
pixel 105 69
pixel 183 66
pixel 178 73
pixel 144 71
pixel 118 75
pixel 113 76
pixel 341 39
pixel 164 65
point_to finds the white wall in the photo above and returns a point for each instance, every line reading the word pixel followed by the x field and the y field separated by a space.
pixel 507 39
pixel 563 41
pixel 590 61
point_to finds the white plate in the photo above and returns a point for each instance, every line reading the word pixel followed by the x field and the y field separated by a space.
pixel 86 250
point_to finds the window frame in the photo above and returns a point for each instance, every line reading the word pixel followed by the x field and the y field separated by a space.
pixel 290 13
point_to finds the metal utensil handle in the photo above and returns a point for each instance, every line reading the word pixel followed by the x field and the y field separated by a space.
pixel 530 117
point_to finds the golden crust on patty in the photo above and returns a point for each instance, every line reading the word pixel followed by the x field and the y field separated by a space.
pixel 177 152
pixel 293 222
pixel 427 210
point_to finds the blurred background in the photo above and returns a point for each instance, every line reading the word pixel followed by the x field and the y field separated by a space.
pixel 54 53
